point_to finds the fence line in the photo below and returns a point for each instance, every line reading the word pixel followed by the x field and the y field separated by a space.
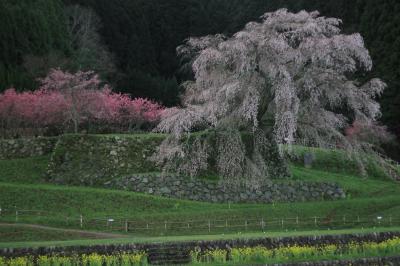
pixel 262 223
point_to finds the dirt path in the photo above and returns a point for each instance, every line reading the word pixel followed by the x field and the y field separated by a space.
pixel 80 232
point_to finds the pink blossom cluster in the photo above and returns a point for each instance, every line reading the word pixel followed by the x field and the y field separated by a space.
pixel 65 99
pixel 367 132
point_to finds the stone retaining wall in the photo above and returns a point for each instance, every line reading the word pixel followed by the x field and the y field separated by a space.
pixel 92 160
pixel 203 190
pixel 26 147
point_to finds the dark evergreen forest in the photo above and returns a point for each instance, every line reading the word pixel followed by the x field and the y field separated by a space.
pixel 133 42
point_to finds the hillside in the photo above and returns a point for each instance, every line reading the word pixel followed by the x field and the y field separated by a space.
pixel 24 186
pixel 142 37
pixel 199 132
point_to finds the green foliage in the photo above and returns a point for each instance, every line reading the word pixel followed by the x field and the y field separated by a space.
pixel 28 28
pixel 380 26
pixel 145 84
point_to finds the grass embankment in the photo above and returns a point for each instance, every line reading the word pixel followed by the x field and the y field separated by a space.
pixel 21 187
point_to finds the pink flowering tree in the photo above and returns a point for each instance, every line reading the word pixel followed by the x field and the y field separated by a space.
pixel 32 110
pixel 76 89
pixel 79 99
pixel 51 109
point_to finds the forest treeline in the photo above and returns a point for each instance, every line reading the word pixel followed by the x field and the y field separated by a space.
pixel 132 43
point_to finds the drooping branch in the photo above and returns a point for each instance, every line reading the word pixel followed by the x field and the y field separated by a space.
pixel 287 78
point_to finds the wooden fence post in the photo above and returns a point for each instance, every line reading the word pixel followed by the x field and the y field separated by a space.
pixel 81 221
pixel 126 226
pixel 315 221
pixel 209 226
pixel 16 216
pixel 262 224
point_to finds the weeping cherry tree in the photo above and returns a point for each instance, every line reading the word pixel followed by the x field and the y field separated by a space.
pixel 291 78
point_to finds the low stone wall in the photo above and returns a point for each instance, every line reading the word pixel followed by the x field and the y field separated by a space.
pixel 26 147
pixel 203 190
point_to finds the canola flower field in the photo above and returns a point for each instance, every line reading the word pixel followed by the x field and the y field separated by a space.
pixel 234 256
pixel 86 260
pixel 259 254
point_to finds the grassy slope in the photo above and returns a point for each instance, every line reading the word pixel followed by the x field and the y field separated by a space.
pixel 12 233
pixel 71 200
pixel 21 186
pixel 100 203
pixel 355 186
